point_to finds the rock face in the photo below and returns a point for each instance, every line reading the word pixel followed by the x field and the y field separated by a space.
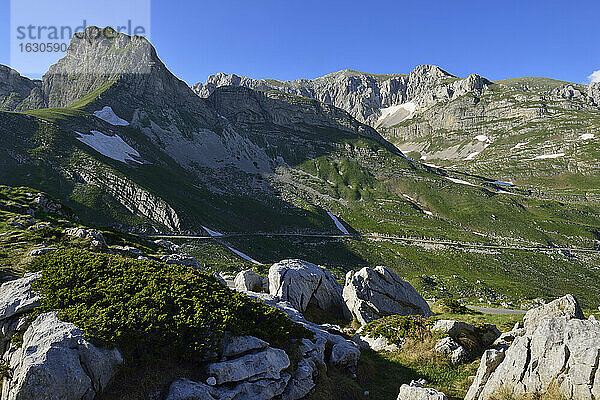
pixel 556 353
pixel 55 362
pixel 566 306
pixel 416 391
pixel 374 293
pixel 249 281
pixel 303 284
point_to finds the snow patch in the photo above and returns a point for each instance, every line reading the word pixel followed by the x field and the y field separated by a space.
pixel 337 223
pixel 110 146
pixel 482 138
pixel 108 115
pixel 212 233
pixel 519 145
pixel 244 256
pixel 586 136
pixel 472 155
pixel 549 156
pixel 460 181
pixel 427 212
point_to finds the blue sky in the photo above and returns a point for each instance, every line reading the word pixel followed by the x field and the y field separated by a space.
pixel 305 39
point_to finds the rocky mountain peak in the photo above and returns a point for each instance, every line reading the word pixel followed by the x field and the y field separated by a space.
pixel 14 88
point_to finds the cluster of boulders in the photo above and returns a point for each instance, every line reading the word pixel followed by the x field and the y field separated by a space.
pixel 367 295
pixel 557 350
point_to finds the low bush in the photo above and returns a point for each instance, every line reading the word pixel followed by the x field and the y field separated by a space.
pixel 397 327
pixel 144 307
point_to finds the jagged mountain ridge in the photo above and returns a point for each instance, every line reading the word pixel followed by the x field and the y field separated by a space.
pixel 362 95
pixel 471 124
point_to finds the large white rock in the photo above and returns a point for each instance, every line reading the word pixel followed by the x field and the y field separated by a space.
pixel 374 293
pixel 415 391
pixel 559 350
pixel 267 364
pixel 249 281
pixel 16 297
pixel 302 284
pixel 234 346
pixel 56 362
pixel 344 353
pixel 566 306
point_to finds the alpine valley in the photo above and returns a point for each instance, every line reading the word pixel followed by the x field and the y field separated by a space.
pixel 463 188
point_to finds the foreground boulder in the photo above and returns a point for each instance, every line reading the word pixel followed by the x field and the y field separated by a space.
pixel 371 294
pixel 97 241
pixel 302 284
pixel 555 353
pixel 56 362
pixel 416 391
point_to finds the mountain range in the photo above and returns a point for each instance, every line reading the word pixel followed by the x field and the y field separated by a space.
pixel 455 183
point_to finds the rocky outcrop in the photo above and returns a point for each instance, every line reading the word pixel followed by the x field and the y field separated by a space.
pixel 97 241
pixel 374 293
pixel 249 281
pixel 416 391
pixel 332 349
pixel 181 259
pixel 250 369
pixel 56 362
pixel 132 196
pixel 303 284
pixel 559 351
pixel 566 306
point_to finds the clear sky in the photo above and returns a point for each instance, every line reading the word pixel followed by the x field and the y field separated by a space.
pixel 286 39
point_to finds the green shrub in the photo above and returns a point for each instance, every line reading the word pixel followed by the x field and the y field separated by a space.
pixel 397 327
pixel 144 307
pixel 453 306
pixel 45 234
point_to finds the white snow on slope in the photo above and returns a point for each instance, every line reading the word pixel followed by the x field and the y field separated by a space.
pixel 405 111
pixel 519 145
pixel 472 155
pixel 586 136
pixel 548 156
pixel 481 138
pixel 337 223
pixel 108 115
pixel 460 181
pixel 244 256
pixel 110 146
pixel 212 233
